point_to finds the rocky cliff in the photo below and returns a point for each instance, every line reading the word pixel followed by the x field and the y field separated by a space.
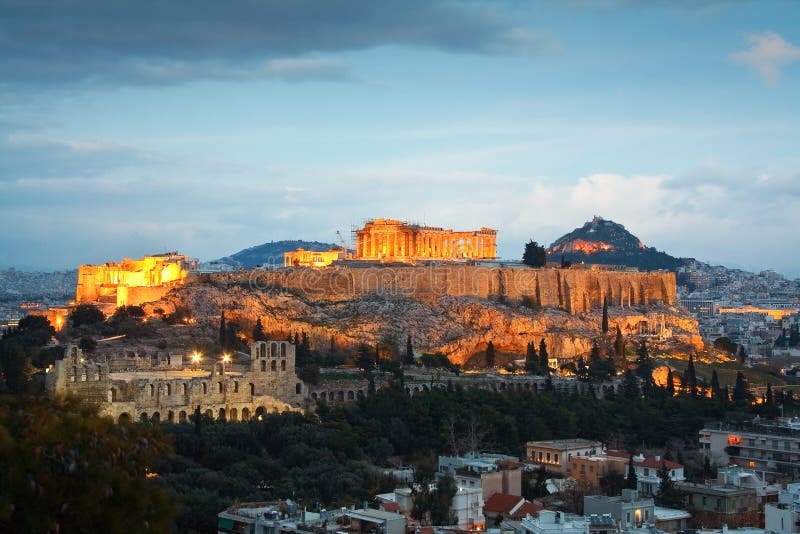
pixel 449 321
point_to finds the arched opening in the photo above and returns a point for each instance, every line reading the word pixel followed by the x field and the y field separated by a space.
pixel 221 414
pixel 205 388
pixel 169 389
pixel 236 387
pixel 331 396
pixel 209 414
pixel 74 374
pixel 263 365
pixel 152 389
pixel 183 389
pixel 233 415
pixel 298 388
pixel 351 395
pixel 156 417
pixel 262 350
pixel 340 396
pixel 273 350
pixel 314 396
pixel 219 387
pixel 283 365
pixel 274 365
pixel 260 413
pixel 143 417
pixel 99 372
pixel 219 369
pixel 171 416
pixel 124 417
pixel 112 395
pixel 283 350
pixel 245 414
pixel 424 388
pixel 252 389
pixel 182 416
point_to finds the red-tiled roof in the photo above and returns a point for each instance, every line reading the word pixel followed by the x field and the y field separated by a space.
pixel 525 509
pixel 390 507
pixel 501 503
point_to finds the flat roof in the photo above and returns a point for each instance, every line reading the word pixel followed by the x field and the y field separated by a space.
pixel 565 443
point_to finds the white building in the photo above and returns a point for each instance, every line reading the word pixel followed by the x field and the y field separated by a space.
pixel 783 517
pixel 549 522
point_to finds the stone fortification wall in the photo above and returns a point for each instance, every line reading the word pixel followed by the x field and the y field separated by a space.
pixel 571 290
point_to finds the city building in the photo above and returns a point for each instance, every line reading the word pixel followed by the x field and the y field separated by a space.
pixel 394 240
pixel 630 510
pixel 776 454
pixel 783 516
pixel 647 467
pixel 554 455
pixel 713 503
pixel 550 522
pixel 501 506
pixel 590 470
pixel 272 518
pixel 493 473
pixel 367 521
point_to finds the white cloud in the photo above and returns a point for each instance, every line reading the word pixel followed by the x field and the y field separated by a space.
pixel 768 54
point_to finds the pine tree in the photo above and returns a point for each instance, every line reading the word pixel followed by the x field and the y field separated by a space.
pixel 490 355
pixel 691 378
pixel 409 356
pixel 258 331
pixel 223 332
pixel 544 361
pixel 604 325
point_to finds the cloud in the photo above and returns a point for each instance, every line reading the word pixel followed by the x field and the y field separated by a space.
pixel 46 41
pixel 768 54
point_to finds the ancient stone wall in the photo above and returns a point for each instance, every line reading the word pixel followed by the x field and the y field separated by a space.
pixel 571 290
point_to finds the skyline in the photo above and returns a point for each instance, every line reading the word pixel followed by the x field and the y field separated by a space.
pixel 125 132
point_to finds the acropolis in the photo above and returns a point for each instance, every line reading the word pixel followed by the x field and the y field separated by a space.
pixel 394 240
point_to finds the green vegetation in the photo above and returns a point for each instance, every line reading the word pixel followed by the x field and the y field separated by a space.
pixel 534 254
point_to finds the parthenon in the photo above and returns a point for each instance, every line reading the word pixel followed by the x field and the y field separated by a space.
pixel 393 240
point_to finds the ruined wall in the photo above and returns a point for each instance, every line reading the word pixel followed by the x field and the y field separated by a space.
pixel 571 290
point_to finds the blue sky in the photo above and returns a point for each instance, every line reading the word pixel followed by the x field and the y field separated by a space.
pixel 128 128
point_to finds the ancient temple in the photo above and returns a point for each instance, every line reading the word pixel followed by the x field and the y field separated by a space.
pixel 393 240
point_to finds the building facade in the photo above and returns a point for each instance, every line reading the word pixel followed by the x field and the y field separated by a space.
pixel 775 454
pixel 630 510
pixel 312 258
pixel 555 455
pixel 394 240
pixel 220 389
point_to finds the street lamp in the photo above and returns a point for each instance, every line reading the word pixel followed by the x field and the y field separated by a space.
pixel 196 357
pixel 226 358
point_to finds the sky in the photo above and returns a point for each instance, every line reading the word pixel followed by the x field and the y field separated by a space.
pixel 132 127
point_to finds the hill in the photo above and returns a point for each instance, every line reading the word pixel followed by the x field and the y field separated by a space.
pixel 269 253
pixel 605 242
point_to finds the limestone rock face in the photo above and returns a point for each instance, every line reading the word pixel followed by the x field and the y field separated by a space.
pixel 457 326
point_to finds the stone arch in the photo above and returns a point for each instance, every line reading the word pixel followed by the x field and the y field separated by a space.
pixel 298 388
pixel 183 388
pixel 502 385
pixel 152 389
pixel 260 412
pixel 351 395
pixel 221 414
pixel 283 350
pixel 416 389
pixel 143 417
pixel 169 389
pixel 331 396
pixel 233 415
pixel 209 413
pixel 424 387
pixel 283 365
pixel 219 387
pixel 273 365
pixel 273 350
pixel 124 417
pixel 112 395
pixel 263 365
pixel 171 416
pixel 262 350
pixel 182 416
pixel 99 371
pixel 245 414
pixel 156 417
pixel 360 394
pixel 74 374
pixel 314 396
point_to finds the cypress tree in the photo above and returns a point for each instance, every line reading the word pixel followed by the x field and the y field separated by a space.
pixel 670 384
pixel 619 344
pixel 409 357
pixel 631 481
pixel 691 377
pixel 581 369
pixel 531 359
pixel 769 399
pixel 258 331
pixel 490 354
pixel 604 325
pixel 740 388
pixel 543 357
pixel 223 332
pixel 715 389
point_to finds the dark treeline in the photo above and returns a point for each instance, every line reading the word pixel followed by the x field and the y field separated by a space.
pixel 333 458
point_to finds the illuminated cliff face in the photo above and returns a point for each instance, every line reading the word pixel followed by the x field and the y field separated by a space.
pixel 132 282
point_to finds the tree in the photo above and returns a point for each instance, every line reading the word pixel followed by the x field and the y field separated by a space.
pixel 87 344
pixel 66 469
pixel 670 384
pixel 604 325
pixel 441 500
pixel 740 388
pixel 769 400
pixel 258 331
pixel 667 495
pixel 691 378
pixel 715 389
pixel 630 385
pixel 544 358
pixel 742 355
pixel 223 332
pixel 644 369
pixel 365 360
pixel 408 358
pixel 86 314
pixel 725 343
pixel 15 362
pixel 580 369
pixel 534 255
pixel 490 355
pixel 531 359
pixel 619 345
pixel 631 481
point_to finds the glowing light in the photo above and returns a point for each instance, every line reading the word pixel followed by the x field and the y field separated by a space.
pixel 196 357
pixel 226 358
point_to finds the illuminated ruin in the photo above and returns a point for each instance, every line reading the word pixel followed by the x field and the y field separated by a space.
pixel 393 240
pixel 312 258
pixel 132 282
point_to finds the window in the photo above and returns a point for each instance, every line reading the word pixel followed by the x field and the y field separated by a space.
pixel 627 518
pixel 273 365
pixel 169 389
pixel 283 365
pixel 219 387
pixel 152 390
pixel 647 471
pixel 263 365
pixel 205 388
pixel 555 457
pixel 236 387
